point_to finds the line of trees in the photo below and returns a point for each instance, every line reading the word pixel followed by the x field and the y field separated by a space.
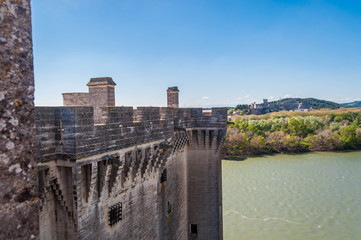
pixel 289 134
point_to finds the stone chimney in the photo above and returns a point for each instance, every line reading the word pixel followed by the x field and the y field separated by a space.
pixel 101 94
pixel 173 97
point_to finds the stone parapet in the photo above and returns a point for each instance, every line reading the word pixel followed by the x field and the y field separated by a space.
pixel 198 117
pixel 76 99
pixel 72 133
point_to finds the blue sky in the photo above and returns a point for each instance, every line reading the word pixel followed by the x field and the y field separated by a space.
pixel 219 53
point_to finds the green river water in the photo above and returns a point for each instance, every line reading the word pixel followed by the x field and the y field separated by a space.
pixel 292 197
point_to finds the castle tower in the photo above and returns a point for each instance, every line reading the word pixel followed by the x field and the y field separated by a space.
pixel 101 94
pixel 173 97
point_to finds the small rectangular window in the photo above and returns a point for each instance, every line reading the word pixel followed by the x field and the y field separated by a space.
pixel 115 214
pixel 194 229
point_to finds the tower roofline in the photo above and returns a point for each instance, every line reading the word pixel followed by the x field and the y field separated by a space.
pixel 101 81
pixel 173 89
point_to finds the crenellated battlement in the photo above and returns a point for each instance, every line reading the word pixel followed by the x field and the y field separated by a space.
pixel 106 170
pixel 72 132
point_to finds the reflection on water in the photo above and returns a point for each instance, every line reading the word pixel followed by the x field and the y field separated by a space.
pixel 306 196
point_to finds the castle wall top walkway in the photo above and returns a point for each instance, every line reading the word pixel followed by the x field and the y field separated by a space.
pixel 70 132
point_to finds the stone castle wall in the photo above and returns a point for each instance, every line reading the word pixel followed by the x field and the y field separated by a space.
pixel 18 204
pixel 76 99
pixel 205 182
pixel 72 132
pixel 104 172
pixel 148 161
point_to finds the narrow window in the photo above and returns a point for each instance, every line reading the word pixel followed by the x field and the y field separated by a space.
pixel 194 229
pixel 163 177
pixel 121 130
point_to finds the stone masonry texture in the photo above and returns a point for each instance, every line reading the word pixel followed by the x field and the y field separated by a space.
pixel 18 203
pixel 158 168
pixel 76 99
pixel 173 97
pixel 101 94
pixel 145 173
pixel 103 172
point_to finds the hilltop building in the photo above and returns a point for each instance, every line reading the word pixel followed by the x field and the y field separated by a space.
pixel 258 109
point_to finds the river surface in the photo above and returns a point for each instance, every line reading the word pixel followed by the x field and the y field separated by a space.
pixel 293 197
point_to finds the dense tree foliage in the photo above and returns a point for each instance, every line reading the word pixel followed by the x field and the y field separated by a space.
pixel 281 133
pixel 241 107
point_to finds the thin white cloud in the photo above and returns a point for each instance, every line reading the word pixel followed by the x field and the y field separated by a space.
pixel 205 98
pixel 343 100
pixel 287 96
pixel 346 100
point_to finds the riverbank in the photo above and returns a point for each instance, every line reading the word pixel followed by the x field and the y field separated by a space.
pixel 280 133
pixel 267 155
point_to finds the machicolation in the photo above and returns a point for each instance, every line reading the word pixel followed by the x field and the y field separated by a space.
pixel 109 172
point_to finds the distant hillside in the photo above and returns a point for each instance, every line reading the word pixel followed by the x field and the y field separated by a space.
pixel 306 103
pixel 352 104
pixel 288 104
